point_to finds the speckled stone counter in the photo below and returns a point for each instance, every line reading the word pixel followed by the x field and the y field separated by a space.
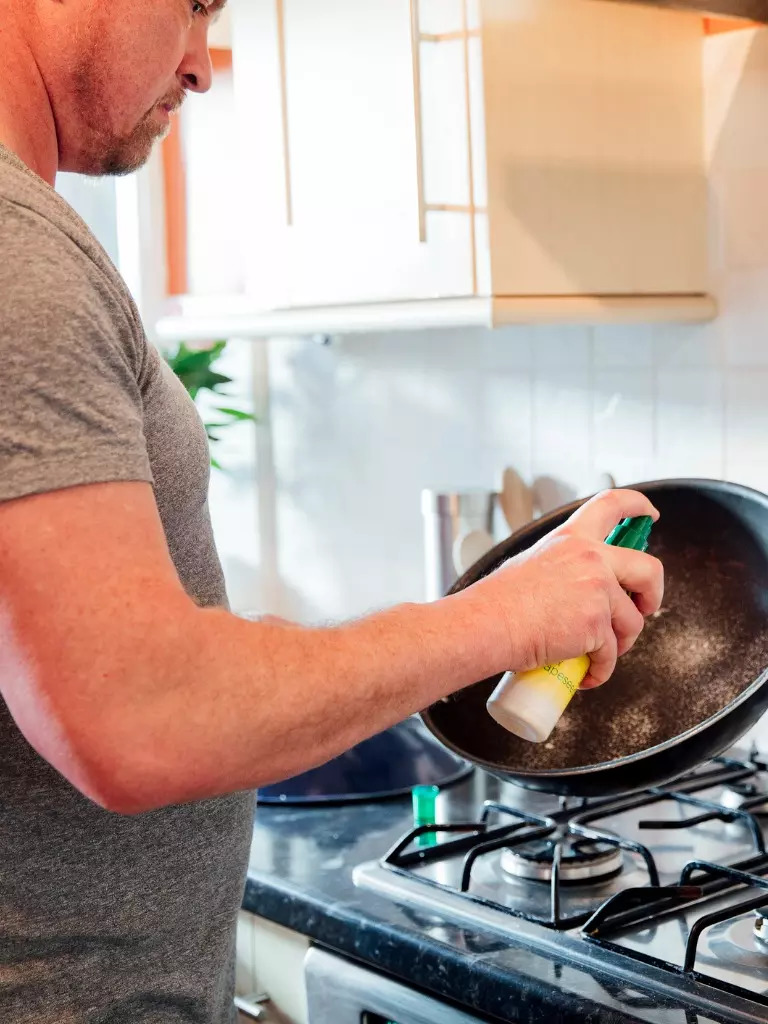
pixel 300 877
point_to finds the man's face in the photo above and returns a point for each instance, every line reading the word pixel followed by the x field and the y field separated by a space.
pixel 129 65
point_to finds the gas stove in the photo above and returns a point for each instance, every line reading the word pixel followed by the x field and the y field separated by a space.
pixel 664 891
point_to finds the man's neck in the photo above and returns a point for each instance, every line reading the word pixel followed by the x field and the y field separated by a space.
pixel 27 125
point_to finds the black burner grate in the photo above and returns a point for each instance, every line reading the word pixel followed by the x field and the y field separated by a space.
pixel 475 840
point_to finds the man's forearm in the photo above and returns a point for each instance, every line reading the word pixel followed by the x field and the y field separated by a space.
pixel 140 698
pixel 222 704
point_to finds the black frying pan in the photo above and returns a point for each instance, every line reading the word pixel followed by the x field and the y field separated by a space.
pixel 695 682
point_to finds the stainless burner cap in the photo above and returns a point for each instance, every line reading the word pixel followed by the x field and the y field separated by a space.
pixel 582 861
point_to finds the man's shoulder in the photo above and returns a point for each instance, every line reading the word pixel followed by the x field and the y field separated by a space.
pixel 45 244
pixel 35 218
pixel 56 283
pixel 34 214
pixel 38 246
pixel 29 206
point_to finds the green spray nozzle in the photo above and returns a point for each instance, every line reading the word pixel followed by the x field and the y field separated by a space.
pixel 424 801
pixel 424 812
pixel 631 533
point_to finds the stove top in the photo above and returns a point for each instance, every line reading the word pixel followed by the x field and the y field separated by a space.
pixel 661 890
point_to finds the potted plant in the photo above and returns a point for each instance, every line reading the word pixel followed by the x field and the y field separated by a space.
pixel 195 369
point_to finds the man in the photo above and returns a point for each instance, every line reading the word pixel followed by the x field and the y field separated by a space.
pixel 137 714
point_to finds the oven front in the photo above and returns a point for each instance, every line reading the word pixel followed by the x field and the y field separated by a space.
pixel 341 992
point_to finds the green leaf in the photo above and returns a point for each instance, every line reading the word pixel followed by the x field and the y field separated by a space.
pixel 237 414
pixel 190 362
pixel 215 380
pixel 185 357
pixel 194 368
pixel 199 381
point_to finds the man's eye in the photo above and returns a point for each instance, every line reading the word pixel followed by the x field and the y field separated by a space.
pixel 199 8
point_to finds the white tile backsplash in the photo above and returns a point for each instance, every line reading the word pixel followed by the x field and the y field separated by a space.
pixel 507 429
pixel 560 348
pixel 689 426
pixel 562 434
pixel 697 346
pixel 632 349
pixel 509 349
pixel 743 324
pixel 623 423
pixel 746 420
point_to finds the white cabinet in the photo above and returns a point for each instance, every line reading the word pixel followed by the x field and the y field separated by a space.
pixel 526 152
pixel 595 149
pixel 328 118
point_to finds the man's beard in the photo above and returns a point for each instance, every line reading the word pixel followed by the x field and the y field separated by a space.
pixel 101 152
pixel 124 156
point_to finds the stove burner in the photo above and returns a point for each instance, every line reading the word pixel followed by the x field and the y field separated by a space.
pixel 582 861
pixel 736 943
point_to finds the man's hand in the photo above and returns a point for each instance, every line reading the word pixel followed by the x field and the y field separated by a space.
pixel 567 595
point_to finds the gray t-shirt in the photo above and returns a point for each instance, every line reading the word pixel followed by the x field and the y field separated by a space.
pixel 104 919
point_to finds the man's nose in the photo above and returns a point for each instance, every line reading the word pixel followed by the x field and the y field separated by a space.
pixel 196 71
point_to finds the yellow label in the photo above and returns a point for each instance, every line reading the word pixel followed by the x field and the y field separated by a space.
pixel 559 681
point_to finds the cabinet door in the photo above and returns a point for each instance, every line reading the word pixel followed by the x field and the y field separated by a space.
pixel 596 175
pixel 336 207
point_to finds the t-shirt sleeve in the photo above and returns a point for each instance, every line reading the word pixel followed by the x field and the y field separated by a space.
pixel 70 363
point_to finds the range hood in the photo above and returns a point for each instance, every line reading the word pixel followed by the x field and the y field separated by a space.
pixel 752 10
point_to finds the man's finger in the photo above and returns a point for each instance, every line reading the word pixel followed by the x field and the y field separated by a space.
pixel 597 517
pixel 603 663
pixel 640 574
pixel 627 622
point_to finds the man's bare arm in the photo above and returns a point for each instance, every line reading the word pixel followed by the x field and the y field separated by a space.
pixel 142 699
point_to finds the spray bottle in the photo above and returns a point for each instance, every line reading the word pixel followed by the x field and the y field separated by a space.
pixel 530 704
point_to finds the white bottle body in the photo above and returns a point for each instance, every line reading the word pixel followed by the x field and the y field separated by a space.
pixel 530 704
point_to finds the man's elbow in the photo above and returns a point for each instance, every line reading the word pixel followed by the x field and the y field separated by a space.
pixel 106 768
pixel 103 747
pixel 121 790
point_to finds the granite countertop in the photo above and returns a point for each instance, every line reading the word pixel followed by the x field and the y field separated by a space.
pixel 300 876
